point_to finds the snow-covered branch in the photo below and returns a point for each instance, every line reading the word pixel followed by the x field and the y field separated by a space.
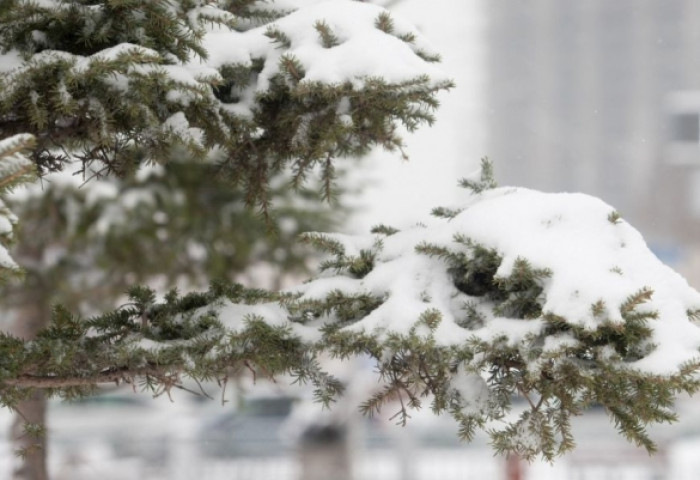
pixel 252 89
pixel 15 169
pixel 551 298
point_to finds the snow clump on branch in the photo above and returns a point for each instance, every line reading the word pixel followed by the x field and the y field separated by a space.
pixel 552 298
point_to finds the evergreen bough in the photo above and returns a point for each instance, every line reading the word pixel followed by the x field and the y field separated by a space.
pixel 15 169
pixel 558 366
pixel 118 84
pixel 452 316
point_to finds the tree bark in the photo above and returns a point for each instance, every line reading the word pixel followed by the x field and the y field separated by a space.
pixel 116 375
pixel 325 454
pixel 514 467
pixel 31 465
pixel 31 317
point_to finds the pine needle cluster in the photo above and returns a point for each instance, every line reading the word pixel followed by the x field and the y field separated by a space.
pixel 15 169
pixel 120 84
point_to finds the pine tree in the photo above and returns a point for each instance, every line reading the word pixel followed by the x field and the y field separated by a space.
pixel 553 299
pixel 117 84
pixel 83 244
pixel 207 92
pixel 15 169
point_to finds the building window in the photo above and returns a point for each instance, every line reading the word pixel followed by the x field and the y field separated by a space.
pixel 685 127
pixel 682 139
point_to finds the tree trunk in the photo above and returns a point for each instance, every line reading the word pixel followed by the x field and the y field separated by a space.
pixel 31 317
pixel 514 467
pixel 325 453
pixel 31 464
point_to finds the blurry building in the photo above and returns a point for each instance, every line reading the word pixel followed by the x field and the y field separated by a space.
pixel 601 97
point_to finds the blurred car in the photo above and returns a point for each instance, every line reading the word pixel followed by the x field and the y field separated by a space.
pixel 252 430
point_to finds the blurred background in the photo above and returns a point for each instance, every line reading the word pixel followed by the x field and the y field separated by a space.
pixel 598 96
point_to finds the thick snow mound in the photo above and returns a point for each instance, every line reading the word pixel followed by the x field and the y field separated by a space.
pixel 597 269
pixel 363 50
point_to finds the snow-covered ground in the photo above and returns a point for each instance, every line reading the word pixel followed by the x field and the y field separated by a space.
pixel 133 436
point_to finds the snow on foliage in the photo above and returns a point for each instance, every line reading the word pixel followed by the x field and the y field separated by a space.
pixel 362 47
pixel 552 298
pixel 15 168
pixel 548 298
pixel 553 257
pixel 242 84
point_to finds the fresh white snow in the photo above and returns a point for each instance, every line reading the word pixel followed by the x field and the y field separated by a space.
pixel 592 259
pixel 12 164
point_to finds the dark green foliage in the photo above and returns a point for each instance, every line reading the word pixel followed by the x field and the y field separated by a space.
pixel 411 368
pixel 252 12
pixel 188 340
pixel 521 291
pixel 384 230
pixel 84 28
pixel 15 169
pixel 178 224
pixel 473 319
pixel 567 379
pixel 108 107
pixel 473 270
pixel 444 212
pixel 338 307
pixel 327 387
pixel 614 217
pixel 76 104
pixel 486 178
pixel 187 208
pixel 357 266
pixel 277 35
pixel 385 23
pixel 558 370
pixel 328 38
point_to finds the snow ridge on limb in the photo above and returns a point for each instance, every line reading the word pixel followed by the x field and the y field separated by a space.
pixel 515 294
pixel 251 87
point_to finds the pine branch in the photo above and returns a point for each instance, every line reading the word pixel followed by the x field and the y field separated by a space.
pixel 105 94
pixel 114 375
pixel 12 179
